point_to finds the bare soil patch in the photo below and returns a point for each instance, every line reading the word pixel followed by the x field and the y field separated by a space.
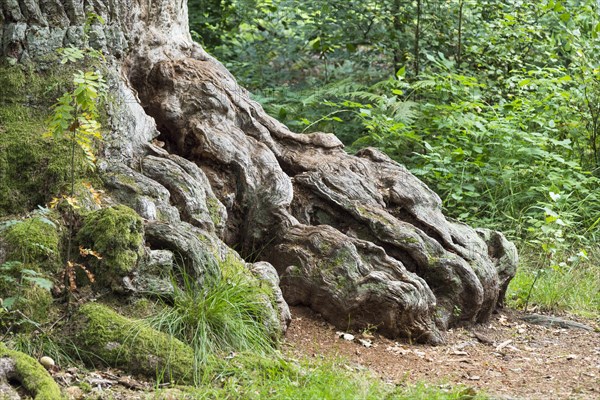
pixel 506 358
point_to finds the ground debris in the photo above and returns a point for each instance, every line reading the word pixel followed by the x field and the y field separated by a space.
pixel 507 358
pixel 548 320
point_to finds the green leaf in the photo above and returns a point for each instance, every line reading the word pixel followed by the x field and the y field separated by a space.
pixel 8 302
pixel 401 72
pixel 29 272
pixel 43 283
pixel 10 265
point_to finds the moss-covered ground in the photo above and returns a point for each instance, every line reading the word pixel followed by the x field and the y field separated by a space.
pixel 33 241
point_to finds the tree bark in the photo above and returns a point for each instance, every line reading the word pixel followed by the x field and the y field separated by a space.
pixel 357 238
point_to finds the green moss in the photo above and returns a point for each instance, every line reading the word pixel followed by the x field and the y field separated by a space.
pixel 32 375
pixel 129 182
pixel 33 241
pixel 35 303
pixel 124 343
pixel 117 234
pixel 32 169
pixel 214 210
pixel 233 265
pixel 294 271
pixel 366 213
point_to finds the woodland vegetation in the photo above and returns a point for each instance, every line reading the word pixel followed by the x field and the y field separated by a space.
pixel 153 218
pixel 494 104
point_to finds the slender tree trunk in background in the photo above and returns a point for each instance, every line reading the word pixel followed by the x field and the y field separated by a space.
pixel 417 66
pixel 459 44
pixel 397 27
pixel 357 238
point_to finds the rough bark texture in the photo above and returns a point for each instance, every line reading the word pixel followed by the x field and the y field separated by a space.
pixel 357 238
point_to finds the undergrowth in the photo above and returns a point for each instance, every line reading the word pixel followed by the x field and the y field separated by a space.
pixel 246 376
pixel 573 287
pixel 224 314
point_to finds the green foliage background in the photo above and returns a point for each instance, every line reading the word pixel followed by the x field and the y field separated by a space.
pixel 493 103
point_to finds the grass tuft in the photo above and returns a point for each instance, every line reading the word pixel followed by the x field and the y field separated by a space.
pixel 225 314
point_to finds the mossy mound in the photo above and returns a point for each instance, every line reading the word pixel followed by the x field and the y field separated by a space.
pixel 32 375
pixel 117 234
pixel 33 241
pixel 120 342
pixel 32 254
pixel 35 302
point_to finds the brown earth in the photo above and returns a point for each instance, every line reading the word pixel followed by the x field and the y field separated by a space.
pixel 506 358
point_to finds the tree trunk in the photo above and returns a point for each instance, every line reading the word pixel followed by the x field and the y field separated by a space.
pixel 357 238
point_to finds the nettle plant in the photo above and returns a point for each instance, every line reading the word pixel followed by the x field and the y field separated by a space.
pixel 554 236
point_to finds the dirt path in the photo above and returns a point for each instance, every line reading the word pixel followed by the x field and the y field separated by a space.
pixel 509 359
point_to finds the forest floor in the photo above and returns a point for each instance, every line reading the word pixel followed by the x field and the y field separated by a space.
pixel 506 358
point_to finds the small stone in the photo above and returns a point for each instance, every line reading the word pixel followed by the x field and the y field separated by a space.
pixel 75 393
pixel 47 362
pixel 345 336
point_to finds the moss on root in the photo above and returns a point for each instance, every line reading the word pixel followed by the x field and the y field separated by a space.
pixel 32 375
pixel 120 342
pixel 117 234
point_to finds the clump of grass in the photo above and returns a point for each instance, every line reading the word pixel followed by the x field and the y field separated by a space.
pixel 41 343
pixel 224 314
pixel 574 288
